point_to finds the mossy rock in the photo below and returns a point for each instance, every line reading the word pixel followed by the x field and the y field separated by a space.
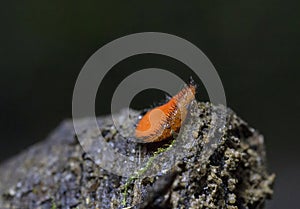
pixel 57 173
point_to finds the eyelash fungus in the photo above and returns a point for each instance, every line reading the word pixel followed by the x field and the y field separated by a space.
pixel 161 122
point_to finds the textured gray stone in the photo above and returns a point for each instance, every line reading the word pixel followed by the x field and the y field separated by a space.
pixel 57 173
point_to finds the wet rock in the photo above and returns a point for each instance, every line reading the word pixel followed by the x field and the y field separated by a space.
pixel 229 172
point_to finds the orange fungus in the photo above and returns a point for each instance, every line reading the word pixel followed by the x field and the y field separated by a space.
pixel 159 123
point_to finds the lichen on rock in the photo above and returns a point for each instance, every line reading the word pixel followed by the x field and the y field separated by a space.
pixel 57 172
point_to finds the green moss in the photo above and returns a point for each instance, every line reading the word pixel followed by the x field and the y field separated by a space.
pixel 53 205
pixel 136 175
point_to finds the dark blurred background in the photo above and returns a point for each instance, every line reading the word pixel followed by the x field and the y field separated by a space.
pixel 254 45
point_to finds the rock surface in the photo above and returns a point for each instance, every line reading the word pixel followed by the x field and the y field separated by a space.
pixel 58 173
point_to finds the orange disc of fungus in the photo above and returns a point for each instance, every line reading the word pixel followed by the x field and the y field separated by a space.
pixel 159 123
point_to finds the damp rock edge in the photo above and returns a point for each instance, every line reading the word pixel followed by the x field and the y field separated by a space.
pixel 57 173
